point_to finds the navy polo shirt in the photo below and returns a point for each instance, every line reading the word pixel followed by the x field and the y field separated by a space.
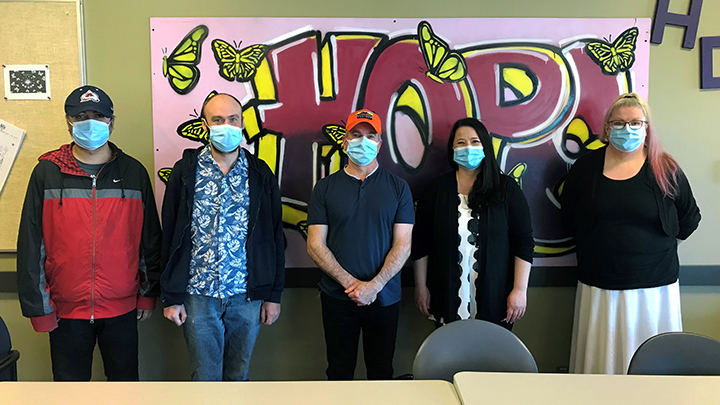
pixel 360 216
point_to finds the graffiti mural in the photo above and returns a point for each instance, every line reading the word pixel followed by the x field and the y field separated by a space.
pixel 541 87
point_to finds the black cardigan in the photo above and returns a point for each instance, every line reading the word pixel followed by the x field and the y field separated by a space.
pixel 505 233
pixel 265 241
pixel 679 214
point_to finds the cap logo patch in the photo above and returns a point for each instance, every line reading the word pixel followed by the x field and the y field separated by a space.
pixel 364 114
pixel 89 96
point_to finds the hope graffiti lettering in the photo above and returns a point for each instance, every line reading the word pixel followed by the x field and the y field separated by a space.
pixel 543 104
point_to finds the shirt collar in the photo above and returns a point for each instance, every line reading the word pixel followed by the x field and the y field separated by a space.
pixel 366 177
pixel 205 157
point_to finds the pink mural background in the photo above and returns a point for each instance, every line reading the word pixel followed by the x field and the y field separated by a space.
pixel 532 82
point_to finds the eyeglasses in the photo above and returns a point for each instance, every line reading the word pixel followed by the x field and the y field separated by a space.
pixel 632 124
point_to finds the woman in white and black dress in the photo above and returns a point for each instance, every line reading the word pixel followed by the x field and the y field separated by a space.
pixel 472 240
pixel 626 204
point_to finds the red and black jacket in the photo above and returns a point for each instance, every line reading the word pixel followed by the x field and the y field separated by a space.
pixel 88 246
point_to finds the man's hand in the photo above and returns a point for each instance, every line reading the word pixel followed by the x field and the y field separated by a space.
pixel 269 312
pixel 176 313
pixel 422 299
pixel 143 314
pixel 363 292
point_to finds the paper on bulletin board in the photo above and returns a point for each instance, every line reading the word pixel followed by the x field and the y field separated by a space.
pixel 11 138
pixel 27 82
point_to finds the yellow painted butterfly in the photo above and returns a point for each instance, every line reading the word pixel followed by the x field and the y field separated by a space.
pixel 616 57
pixel 193 129
pixel 444 65
pixel 237 64
pixel 164 174
pixel 334 133
pixel 181 66
pixel 331 155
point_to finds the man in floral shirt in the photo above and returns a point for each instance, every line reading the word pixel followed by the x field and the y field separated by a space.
pixel 223 247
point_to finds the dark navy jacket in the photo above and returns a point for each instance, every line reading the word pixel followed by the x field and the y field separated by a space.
pixel 265 243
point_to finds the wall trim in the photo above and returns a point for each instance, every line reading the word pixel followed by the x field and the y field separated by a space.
pixel 308 277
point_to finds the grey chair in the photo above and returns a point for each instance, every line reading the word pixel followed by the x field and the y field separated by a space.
pixel 677 353
pixel 8 356
pixel 471 345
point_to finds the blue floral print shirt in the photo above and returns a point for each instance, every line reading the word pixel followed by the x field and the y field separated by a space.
pixel 219 226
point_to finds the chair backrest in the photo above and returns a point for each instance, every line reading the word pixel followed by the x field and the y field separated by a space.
pixel 8 357
pixel 677 353
pixel 471 345
pixel 5 344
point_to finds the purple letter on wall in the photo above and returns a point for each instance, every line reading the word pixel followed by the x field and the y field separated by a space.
pixel 689 21
pixel 707 80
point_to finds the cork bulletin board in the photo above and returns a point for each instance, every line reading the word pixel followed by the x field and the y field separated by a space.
pixel 36 33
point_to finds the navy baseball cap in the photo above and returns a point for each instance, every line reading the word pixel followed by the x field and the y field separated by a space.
pixel 88 98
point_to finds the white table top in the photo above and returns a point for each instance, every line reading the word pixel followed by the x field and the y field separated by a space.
pixel 252 393
pixel 585 389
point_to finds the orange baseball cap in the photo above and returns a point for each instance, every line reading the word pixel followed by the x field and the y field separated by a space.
pixel 364 116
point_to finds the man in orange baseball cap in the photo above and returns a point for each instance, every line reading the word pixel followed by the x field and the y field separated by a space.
pixel 360 225
pixel 362 139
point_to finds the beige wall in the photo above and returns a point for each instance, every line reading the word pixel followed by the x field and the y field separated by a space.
pixel 118 49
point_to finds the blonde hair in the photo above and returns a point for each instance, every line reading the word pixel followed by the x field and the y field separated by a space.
pixel 663 166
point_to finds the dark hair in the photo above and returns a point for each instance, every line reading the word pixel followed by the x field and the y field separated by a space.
pixel 489 187
pixel 207 100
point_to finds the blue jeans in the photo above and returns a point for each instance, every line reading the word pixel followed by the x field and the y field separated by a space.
pixel 220 335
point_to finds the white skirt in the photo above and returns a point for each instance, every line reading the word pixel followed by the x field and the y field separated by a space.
pixel 611 324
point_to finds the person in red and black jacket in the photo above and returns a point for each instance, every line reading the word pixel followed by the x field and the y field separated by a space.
pixel 88 254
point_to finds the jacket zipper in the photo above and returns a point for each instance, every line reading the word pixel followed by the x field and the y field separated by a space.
pixel 182 236
pixel 94 225
pixel 94 240
pixel 92 279
pixel 247 268
pixel 185 228
pixel 247 239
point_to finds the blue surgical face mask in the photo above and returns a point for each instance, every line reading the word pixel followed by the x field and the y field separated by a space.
pixel 627 139
pixel 225 138
pixel 90 134
pixel 362 151
pixel 469 157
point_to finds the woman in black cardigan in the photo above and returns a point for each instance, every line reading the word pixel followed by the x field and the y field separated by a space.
pixel 627 205
pixel 472 240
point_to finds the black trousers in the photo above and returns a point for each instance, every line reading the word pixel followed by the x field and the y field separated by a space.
pixel 73 342
pixel 343 321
